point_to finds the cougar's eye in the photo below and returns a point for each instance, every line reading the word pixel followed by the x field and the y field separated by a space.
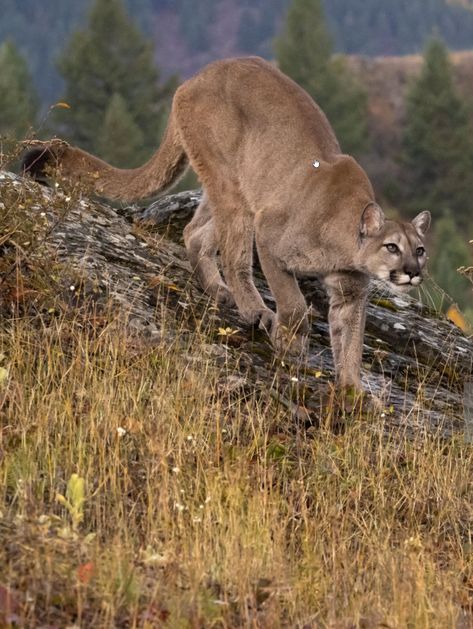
pixel 391 247
pixel 420 251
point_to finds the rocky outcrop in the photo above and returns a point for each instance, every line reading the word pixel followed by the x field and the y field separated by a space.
pixel 414 359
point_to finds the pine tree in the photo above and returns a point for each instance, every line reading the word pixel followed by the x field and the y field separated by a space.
pixel 111 57
pixel 452 252
pixel 437 145
pixel 120 140
pixel 304 52
pixel 18 100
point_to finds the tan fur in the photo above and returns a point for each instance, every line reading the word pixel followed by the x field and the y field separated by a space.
pixel 252 136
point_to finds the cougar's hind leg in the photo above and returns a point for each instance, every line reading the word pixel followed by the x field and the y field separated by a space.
pixel 231 230
pixel 201 244
pixel 291 326
pixel 234 225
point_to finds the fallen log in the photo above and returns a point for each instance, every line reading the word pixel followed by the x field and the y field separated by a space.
pixel 413 359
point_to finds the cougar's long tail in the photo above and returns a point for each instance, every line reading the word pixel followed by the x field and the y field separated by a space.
pixel 163 169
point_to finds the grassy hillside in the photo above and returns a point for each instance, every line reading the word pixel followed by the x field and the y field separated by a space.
pixel 204 505
pixel 161 480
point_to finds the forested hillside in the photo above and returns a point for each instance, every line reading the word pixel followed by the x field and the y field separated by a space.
pixel 189 34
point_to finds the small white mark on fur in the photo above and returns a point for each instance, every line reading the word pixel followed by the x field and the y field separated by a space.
pixel 316 163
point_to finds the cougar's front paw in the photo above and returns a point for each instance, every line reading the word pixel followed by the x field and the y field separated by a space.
pixel 354 399
pixel 287 341
pixel 351 397
pixel 263 317
pixel 223 296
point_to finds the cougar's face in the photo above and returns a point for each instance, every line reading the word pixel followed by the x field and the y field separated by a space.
pixel 397 255
pixel 401 258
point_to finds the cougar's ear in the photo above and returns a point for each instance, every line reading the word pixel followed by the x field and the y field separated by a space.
pixel 372 220
pixel 422 222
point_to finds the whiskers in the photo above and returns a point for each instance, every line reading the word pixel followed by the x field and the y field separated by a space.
pixel 434 295
pixel 380 289
pixel 428 292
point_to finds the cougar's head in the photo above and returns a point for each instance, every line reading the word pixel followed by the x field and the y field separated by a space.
pixel 393 251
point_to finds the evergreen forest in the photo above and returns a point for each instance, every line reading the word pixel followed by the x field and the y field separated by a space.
pixel 368 27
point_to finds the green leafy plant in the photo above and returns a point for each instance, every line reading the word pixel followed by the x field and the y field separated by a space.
pixel 74 500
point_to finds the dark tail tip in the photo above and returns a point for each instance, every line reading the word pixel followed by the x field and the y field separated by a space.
pixel 36 161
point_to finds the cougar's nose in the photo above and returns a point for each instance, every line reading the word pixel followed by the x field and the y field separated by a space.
pixel 411 271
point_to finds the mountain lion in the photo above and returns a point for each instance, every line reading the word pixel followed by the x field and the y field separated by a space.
pixel 271 169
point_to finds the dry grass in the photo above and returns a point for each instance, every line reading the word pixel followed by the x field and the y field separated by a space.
pixel 204 506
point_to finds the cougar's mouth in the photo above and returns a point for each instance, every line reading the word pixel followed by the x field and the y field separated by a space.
pixel 403 281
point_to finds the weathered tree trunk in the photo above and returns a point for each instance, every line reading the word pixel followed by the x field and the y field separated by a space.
pixel 415 360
